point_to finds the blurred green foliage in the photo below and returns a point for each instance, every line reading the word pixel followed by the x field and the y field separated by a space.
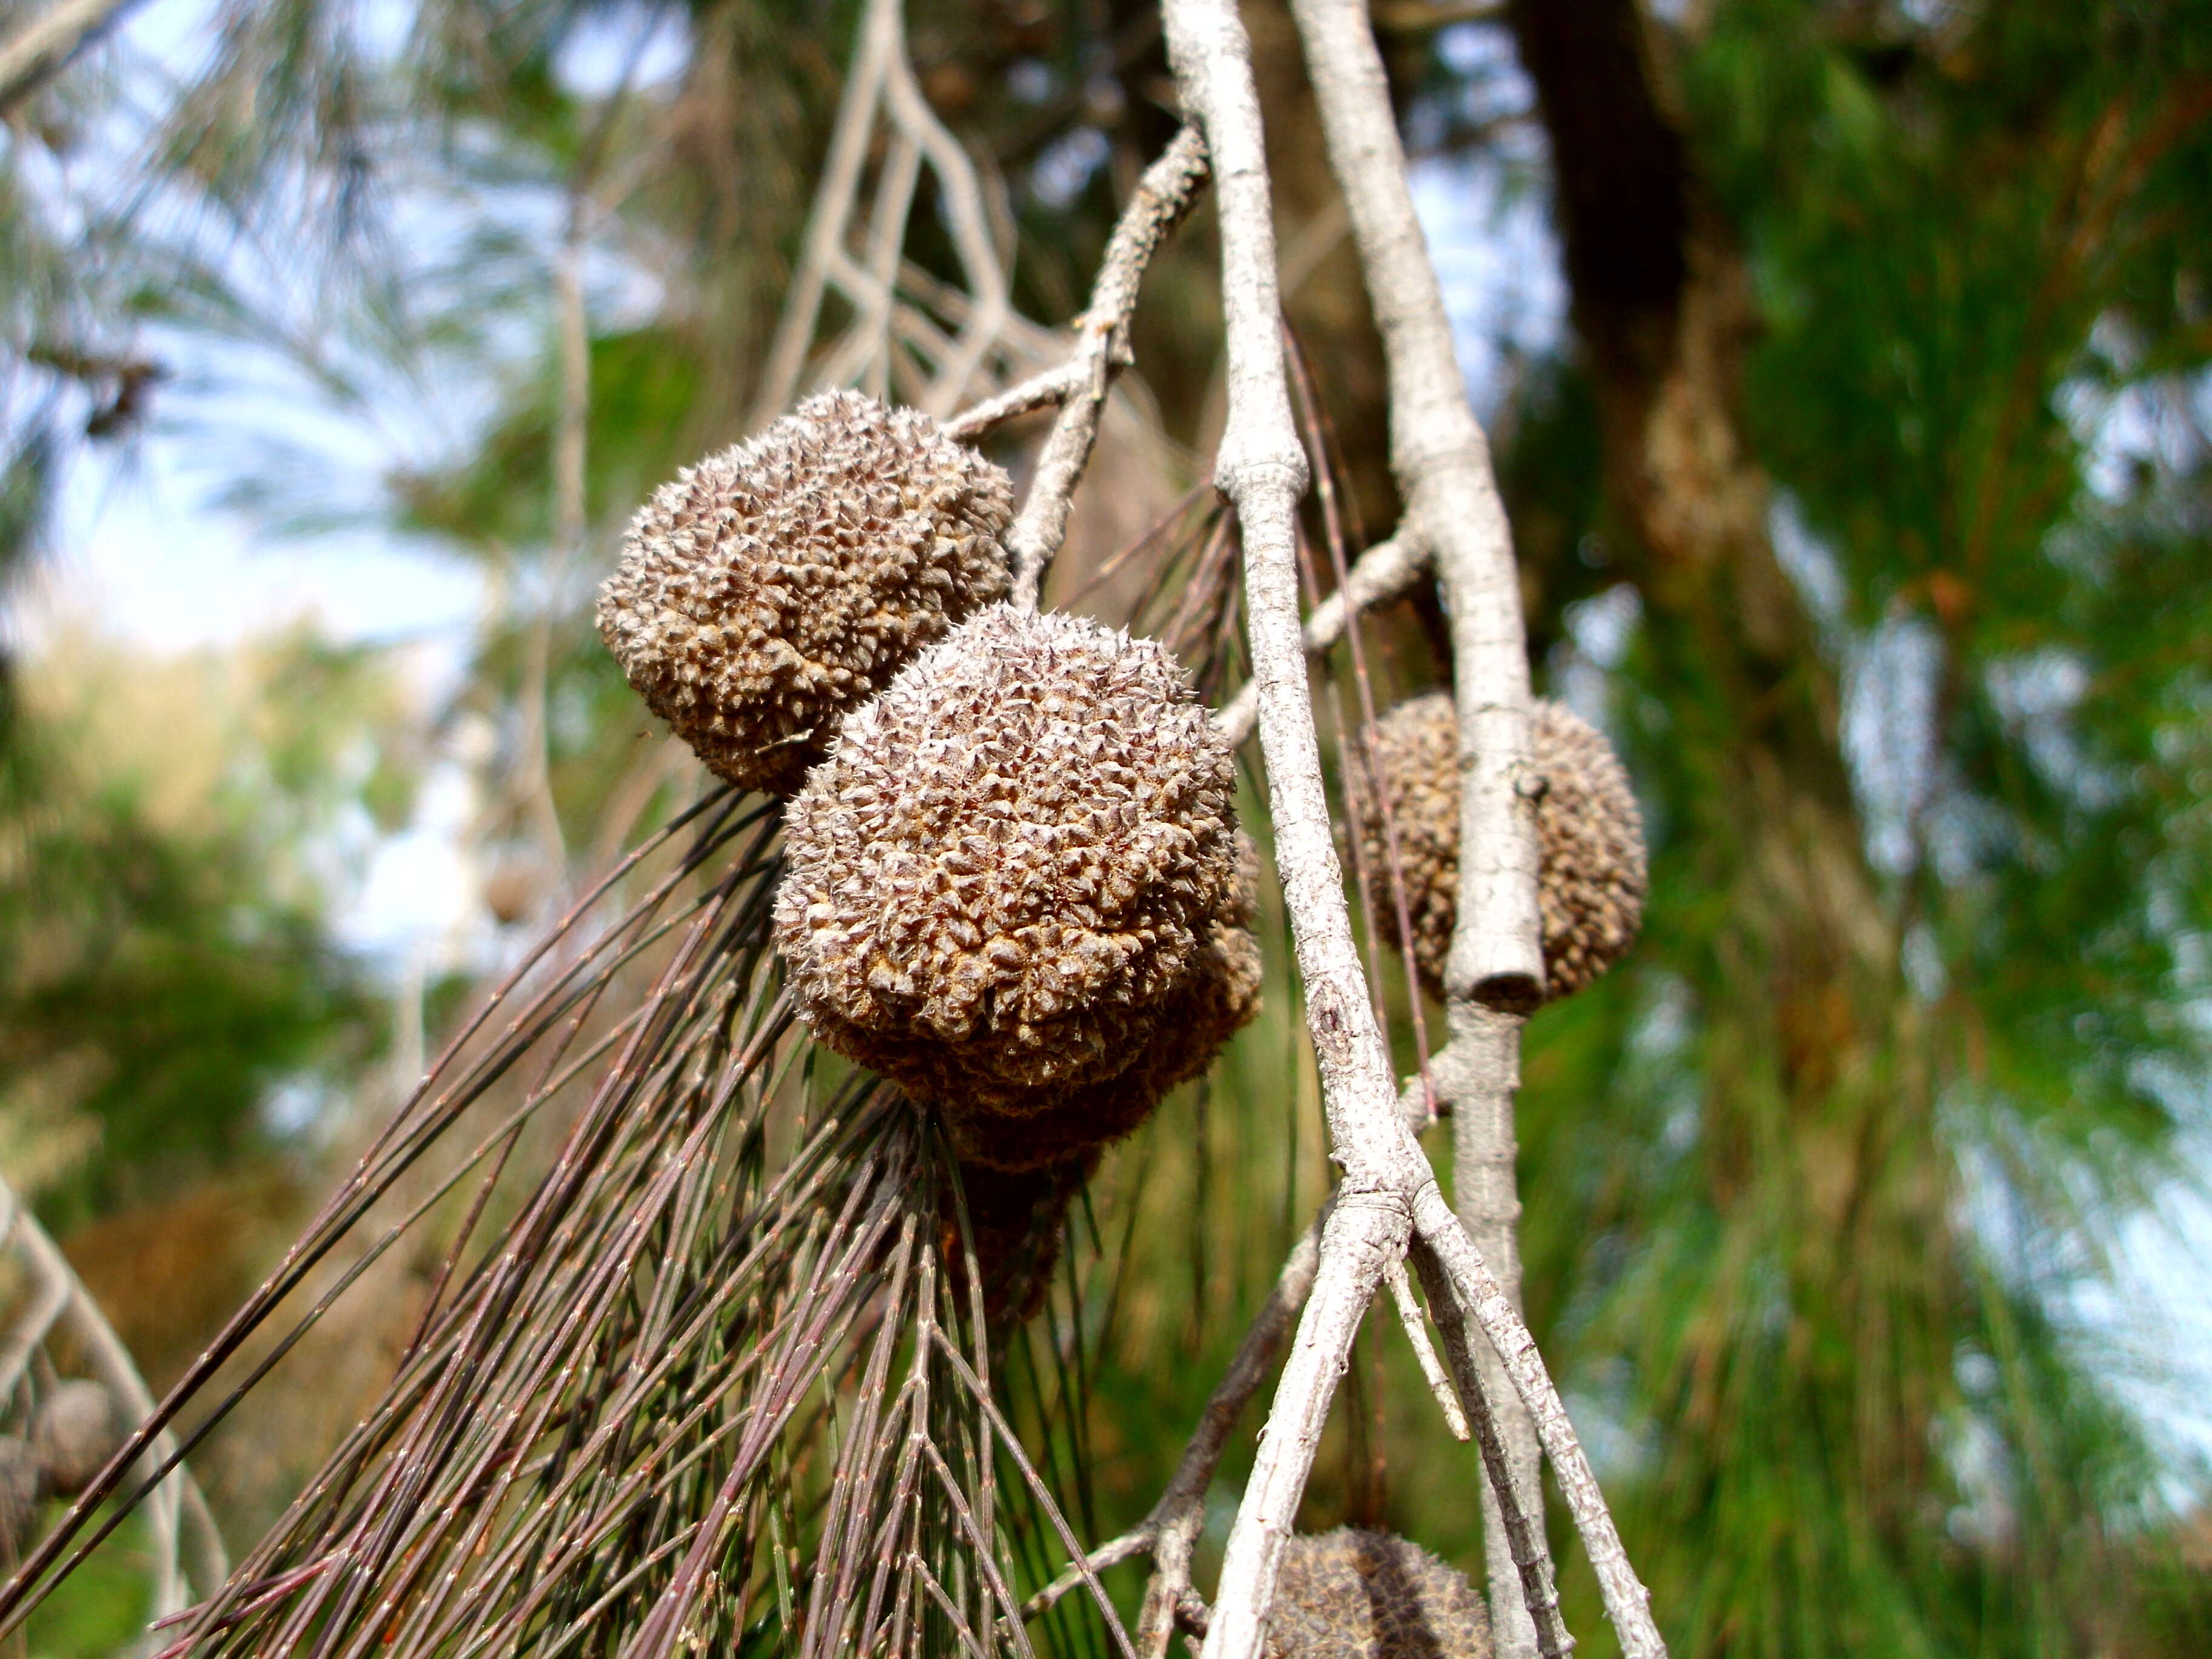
pixel 171 838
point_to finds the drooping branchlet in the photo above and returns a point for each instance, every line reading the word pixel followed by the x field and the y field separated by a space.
pixel 1590 881
pixel 772 588
pixel 1356 1594
pixel 1014 887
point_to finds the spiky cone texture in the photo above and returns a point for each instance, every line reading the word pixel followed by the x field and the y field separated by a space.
pixel 1019 862
pixel 1220 998
pixel 74 1432
pixel 774 588
pixel 1591 881
pixel 1355 1594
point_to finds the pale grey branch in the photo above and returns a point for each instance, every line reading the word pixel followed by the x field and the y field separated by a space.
pixel 1517 1524
pixel 882 82
pixel 1417 1332
pixel 176 1506
pixel 1442 461
pixel 1627 1603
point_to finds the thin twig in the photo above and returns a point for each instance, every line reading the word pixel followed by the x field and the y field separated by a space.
pixel 1383 573
pixel 882 82
pixel 1417 1332
pixel 177 1504
pixel 1518 1525
pixel 1169 1531
pixel 1627 1603
pixel 1101 345
pixel 1046 389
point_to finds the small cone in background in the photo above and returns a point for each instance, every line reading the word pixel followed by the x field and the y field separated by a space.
pixel 769 590
pixel 1014 888
pixel 74 1431
pixel 21 1481
pixel 1591 880
pixel 1354 1595
pixel 515 886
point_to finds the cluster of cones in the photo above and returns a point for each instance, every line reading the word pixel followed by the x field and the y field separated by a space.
pixel 1015 887
pixel 1015 884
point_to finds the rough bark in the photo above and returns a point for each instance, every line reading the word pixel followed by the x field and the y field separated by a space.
pixel 1441 462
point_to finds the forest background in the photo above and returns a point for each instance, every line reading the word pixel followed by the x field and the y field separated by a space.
pixel 1846 365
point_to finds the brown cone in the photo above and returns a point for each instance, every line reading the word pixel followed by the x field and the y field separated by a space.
pixel 76 1429
pixel 1018 861
pixel 1591 880
pixel 1352 1594
pixel 774 588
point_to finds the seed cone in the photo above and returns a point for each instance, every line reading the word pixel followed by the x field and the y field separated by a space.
pixel 74 1432
pixel 1218 999
pixel 772 588
pixel 1352 1594
pixel 1018 861
pixel 1590 880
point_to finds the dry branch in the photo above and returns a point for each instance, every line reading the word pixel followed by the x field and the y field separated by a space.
pixel 882 82
pixel 1102 345
pixel 1441 462
pixel 1383 572
pixel 176 1510
pixel 1387 1191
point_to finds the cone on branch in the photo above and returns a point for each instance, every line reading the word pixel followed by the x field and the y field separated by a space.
pixel 771 589
pixel 1356 1594
pixel 1015 888
pixel 1591 880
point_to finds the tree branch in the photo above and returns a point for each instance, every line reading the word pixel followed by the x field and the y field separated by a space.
pixel 1521 1525
pixel 1494 975
pixel 1101 345
pixel 1383 573
pixel 882 81
pixel 1627 1603
pixel 1261 468
pixel 1387 1184
pixel 177 1506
